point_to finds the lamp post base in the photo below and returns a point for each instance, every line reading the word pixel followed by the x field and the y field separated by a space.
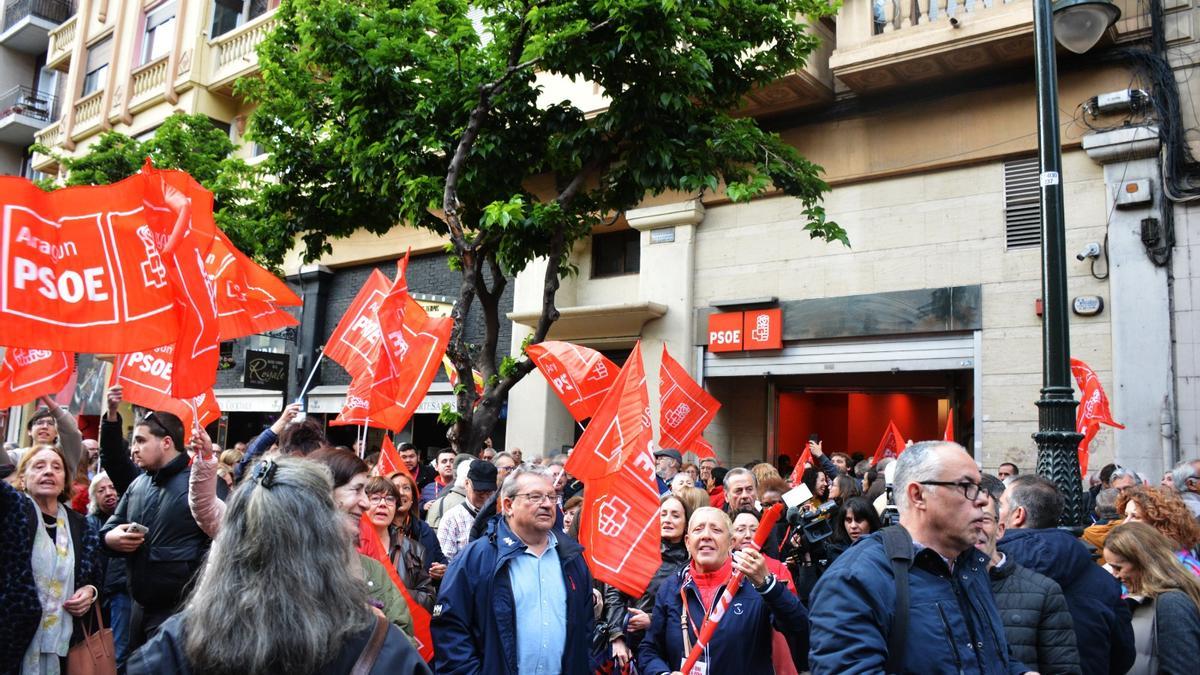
pixel 1058 451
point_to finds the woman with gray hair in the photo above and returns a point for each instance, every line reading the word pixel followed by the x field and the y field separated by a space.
pixel 279 593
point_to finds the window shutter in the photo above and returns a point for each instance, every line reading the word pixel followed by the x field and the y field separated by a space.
pixel 1022 206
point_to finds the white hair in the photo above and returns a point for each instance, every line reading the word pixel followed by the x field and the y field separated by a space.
pixel 919 462
pixel 460 474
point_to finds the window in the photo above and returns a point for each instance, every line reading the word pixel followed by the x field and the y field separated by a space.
pixel 1022 204
pixel 229 14
pixel 96 71
pixel 616 253
pixel 160 32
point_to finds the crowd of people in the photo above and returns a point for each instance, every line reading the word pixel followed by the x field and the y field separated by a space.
pixel 255 560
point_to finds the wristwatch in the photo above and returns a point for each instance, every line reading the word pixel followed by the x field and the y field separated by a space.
pixel 766 584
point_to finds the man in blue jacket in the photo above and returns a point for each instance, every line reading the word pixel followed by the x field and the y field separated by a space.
pixel 858 618
pixel 519 598
pixel 1030 509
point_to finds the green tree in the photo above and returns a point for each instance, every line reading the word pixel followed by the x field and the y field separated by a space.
pixel 382 113
pixel 190 143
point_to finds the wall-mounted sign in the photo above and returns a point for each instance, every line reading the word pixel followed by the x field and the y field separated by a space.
pixel 1088 305
pixel 287 333
pixel 763 329
pixel 725 332
pixel 751 330
pixel 266 370
pixel 226 360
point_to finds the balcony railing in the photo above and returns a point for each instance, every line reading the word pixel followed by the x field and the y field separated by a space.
pixel 50 136
pixel 62 42
pixel 54 11
pixel 29 103
pixel 146 80
pixel 889 43
pixel 87 112
pixel 234 54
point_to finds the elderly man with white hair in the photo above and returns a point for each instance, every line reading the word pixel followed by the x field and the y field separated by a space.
pixel 915 598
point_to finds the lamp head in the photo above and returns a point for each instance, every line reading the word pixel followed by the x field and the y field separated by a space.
pixel 1079 24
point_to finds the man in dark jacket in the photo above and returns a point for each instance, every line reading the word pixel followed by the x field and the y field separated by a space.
pixel 1036 620
pixel 518 599
pixel 952 625
pixel 1030 509
pixel 165 552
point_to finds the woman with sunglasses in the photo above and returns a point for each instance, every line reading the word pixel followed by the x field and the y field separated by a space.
pixel 281 567
pixel 407 555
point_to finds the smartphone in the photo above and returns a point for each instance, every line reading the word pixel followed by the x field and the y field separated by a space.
pixel 814 438
pixel 138 527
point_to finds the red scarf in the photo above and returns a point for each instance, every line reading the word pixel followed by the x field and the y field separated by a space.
pixel 710 583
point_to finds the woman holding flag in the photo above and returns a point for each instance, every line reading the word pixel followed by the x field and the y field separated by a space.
pixel 742 641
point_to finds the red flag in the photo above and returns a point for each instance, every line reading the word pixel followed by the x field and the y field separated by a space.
pixel 370 546
pixel 619 527
pixel 389 460
pixel 27 374
pixel 408 355
pixel 354 411
pixel 1093 408
pixel 702 448
pixel 112 269
pixel 891 445
pixel 948 435
pixel 147 379
pixel 248 297
pixel 580 376
pixel 686 409
pixel 620 427
pixel 797 476
pixel 357 335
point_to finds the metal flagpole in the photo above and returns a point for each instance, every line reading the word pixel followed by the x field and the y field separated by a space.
pixel 307 382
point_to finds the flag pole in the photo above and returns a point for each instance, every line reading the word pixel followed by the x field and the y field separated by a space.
pixel 311 374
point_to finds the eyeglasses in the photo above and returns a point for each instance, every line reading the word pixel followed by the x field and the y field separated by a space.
pixel 150 420
pixel 536 497
pixel 969 490
pixel 381 498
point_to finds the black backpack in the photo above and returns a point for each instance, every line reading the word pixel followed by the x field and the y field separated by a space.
pixel 898 546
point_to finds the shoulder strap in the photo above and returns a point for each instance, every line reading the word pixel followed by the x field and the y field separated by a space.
pixel 898 546
pixel 366 660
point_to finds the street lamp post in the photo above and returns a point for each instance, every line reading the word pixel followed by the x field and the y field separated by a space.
pixel 1080 24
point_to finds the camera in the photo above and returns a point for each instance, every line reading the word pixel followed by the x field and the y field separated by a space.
pixel 1091 250
pixel 815 524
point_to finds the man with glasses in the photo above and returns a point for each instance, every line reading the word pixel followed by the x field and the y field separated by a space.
pixel 1186 480
pixel 153 526
pixel 941 616
pixel 53 425
pixel 519 598
pixel 1030 509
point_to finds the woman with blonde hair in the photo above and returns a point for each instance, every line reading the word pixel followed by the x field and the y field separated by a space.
pixel 1166 618
pixel 763 471
pixel 1164 511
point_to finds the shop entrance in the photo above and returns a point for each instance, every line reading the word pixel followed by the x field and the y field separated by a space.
pixel 851 412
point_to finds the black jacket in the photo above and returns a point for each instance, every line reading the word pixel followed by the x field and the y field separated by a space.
pixel 1036 620
pixel 112 567
pixel 164 654
pixel 161 570
pixel 617 603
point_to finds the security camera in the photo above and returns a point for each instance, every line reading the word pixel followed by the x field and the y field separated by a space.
pixel 1092 250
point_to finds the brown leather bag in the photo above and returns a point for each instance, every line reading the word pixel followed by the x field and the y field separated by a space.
pixel 366 660
pixel 95 654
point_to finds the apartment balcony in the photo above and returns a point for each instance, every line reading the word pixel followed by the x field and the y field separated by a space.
pixel 88 114
pixel 232 55
pixel 810 86
pixel 147 84
pixel 888 43
pixel 50 136
pixel 23 113
pixel 27 23
pixel 62 44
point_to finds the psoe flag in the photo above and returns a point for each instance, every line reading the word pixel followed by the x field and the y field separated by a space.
pixel 26 374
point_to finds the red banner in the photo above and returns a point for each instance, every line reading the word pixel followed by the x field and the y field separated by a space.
pixel 115 268
pixel 891 445
pixel 685 408
pixel 1093 409
pixel 248 296
pixel 370 546
pixel 354 410
pixel 356 337
pixel 412 347
pixel 620 428
pixel 147 379
pixel 26 374
pixel 580 376
pixel 702 448
pixel 389 461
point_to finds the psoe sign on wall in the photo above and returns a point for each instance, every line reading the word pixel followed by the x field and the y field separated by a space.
pixel 750 330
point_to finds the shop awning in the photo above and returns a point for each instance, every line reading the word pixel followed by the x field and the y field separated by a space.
pixel 249 400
